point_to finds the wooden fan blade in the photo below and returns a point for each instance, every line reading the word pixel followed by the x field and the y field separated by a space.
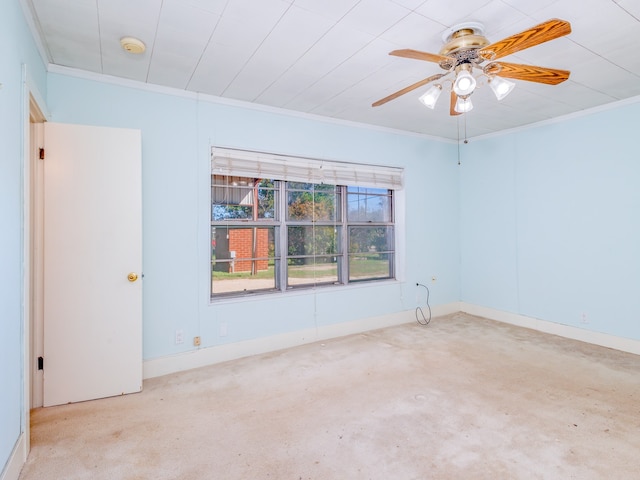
pixel 416 54
pixel 530 73
pixel 452 106
pixel 549 30
pixel 419 84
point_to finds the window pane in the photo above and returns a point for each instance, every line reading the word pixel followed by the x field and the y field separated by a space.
pixel 327 207
pixel 267 203
pixel 370 252
pixel 313 254
pixel 231 212
pixel 300 206
pixel 240 198
pixel 367 266
pixel 312 240
pixel 368 204
pixel 370 239
pixel 312 202
pixel 312 270
pixel 243 259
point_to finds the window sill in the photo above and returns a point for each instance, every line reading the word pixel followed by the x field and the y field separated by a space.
pixel 265 295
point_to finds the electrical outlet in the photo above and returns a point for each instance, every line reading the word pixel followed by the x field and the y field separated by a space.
pixel 179 337
pixel 196 341
pixel 223 329
pixel 583 318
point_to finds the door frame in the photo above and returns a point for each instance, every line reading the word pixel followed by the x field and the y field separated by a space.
pixel 34 112
pixel 36 258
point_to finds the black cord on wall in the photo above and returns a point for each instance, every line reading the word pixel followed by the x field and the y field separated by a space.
pixel 419 313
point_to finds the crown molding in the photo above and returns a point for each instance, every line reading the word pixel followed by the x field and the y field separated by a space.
pixel 33 23
pixel 203 97
pixel 561 119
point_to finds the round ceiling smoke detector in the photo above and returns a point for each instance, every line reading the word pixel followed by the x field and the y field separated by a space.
pixel 133 45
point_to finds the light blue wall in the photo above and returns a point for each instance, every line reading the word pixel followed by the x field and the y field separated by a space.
pixel 550 222
pixel 542 222
pixel 16 49
pixel 177 133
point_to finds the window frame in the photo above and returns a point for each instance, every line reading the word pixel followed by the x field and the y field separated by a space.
pixel 336 223
pixel 387 224
pixel 233 163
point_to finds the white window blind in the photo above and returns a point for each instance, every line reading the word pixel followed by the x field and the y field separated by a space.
pixel 227 161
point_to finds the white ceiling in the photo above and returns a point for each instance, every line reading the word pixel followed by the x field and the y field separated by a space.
pixel 330 57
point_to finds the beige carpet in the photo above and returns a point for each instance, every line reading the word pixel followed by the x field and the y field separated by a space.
pixel 463 398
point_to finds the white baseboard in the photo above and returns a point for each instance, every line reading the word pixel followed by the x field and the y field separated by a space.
pixel 16 460
pixel 567 331
pixel 222 353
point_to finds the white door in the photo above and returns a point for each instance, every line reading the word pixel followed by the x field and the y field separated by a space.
pixel 92 242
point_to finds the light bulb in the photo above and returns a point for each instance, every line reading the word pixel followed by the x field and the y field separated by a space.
pixel 464 84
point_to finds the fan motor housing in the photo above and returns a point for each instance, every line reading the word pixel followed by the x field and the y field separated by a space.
pixel 464 42
pixel 464 36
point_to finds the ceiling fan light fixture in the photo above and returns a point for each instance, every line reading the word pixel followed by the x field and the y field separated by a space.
pixel 464 84
pixel 463 105
pixel 501 87
pixel 430 97
pixel 464 51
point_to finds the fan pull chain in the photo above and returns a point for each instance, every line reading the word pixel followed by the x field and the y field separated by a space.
pixel 458 142
pixel 465 129
pixel 466 140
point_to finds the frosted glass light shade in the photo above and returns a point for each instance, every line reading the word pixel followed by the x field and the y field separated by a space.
pixel 465 84
pixel 430 97
pixel 463 105
pixel 501 87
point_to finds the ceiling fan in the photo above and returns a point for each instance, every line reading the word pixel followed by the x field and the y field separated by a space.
pixel 465 51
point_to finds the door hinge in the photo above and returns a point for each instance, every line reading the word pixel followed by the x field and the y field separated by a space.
pixel 40 363
pixel 42 154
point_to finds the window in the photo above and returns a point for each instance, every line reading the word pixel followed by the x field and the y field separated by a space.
pixel 244 227
pixel 371 233
pixel 290 229
pixel 314 255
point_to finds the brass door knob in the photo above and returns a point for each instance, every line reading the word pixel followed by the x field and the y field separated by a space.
pixel 132 277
